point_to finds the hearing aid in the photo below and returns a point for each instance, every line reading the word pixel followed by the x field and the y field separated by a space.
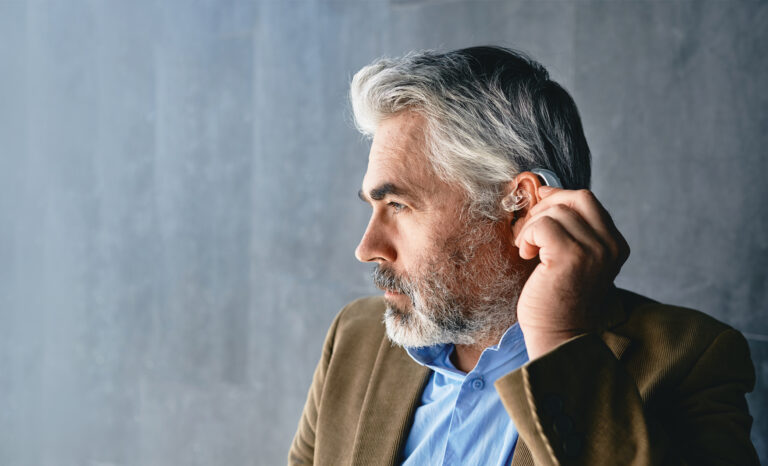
pixel 548 177
pixel 519 198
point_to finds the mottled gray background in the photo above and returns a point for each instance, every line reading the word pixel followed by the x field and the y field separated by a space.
pixel 178 205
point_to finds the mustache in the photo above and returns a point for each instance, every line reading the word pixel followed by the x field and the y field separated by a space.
pixel 385 278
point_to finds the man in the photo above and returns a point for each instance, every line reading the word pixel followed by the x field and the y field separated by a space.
pixel 500 338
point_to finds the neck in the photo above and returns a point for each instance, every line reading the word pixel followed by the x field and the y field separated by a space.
pixel 465 357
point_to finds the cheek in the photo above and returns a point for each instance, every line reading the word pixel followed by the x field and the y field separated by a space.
pixel 415 241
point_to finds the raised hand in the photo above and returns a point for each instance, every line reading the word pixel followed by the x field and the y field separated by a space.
pixel 581 251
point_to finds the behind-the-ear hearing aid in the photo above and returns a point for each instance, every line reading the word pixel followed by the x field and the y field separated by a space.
pixel 519 198
pixel 548 176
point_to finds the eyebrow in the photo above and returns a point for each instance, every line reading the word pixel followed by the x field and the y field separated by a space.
pixel 382 191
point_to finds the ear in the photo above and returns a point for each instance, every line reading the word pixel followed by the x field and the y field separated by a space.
pixel 525 184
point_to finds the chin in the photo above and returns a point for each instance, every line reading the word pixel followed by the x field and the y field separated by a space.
pixel 400 329
pixel 412 329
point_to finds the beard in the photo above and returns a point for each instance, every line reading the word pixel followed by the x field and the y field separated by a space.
pixel 464 293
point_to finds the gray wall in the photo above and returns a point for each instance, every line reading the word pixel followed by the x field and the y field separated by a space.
pixel 178 211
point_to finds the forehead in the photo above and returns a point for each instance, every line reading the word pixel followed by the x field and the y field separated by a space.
pixel 398 154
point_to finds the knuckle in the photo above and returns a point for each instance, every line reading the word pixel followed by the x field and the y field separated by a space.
pixel 604 254
pixel 580 254
pixel 595 255
pixel 585 194
pixel 561 209
pixel 613 250
pixel 547 220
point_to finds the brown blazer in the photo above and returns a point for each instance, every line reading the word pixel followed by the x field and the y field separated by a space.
pixel 659 385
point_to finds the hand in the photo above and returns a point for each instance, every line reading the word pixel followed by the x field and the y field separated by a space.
pixel 580 252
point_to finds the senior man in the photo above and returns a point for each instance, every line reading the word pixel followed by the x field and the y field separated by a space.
pixel 500 338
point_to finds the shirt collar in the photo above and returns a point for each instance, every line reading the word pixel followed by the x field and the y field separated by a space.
pixel 437 357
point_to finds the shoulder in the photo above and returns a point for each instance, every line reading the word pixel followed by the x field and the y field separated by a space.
pixel 358 329
pixel 661 322
pixel 365 314
pixel 362 317
pixel 669 343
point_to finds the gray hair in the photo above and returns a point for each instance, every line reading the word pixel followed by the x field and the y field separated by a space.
pixel 491 113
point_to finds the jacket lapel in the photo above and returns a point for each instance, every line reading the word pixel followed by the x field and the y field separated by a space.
pixel 393 393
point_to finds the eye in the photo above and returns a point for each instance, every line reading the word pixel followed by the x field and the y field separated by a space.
pixel 396 206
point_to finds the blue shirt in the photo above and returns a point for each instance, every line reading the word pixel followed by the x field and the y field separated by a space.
pixel 461 419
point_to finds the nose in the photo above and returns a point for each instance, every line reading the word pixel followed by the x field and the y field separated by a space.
pixel 375 245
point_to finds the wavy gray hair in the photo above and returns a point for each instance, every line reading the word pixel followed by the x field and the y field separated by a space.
pixel 491 113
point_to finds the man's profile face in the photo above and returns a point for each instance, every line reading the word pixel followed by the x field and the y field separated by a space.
pixel 448 277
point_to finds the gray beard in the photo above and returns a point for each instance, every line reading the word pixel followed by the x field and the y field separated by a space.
pixel 466 295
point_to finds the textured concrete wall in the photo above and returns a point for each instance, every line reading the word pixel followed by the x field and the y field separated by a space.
pixel 178 210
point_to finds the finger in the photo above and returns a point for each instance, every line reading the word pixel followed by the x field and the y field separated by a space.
pixel 545 191
pixel 576 226
pixel 547 238
pixel 589 207
pixel 582 200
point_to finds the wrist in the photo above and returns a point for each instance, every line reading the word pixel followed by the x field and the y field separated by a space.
pixel 538 343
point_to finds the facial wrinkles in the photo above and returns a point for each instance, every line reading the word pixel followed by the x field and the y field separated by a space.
pixel 401 160
pixel 463 294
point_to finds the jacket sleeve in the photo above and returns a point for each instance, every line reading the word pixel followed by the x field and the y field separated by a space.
pixel 578 405
pixel 303 445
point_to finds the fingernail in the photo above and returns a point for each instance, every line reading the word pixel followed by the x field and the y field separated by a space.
pixel 545 189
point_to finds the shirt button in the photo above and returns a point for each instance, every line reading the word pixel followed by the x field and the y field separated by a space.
pixel 478 384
